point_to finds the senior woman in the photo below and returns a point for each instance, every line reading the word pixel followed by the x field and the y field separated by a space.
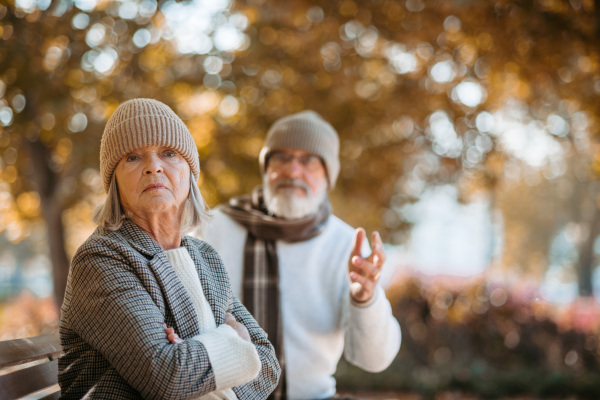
pixel 137 274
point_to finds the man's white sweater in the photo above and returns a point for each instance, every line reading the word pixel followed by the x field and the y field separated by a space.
pixel 319 319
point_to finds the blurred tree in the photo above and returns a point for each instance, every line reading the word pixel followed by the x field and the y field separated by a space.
pixel 63 70
pixel 64 67
pixel 417 91
pixel 481 341
pixel 536 209
pixel 42 120
pixel 426 93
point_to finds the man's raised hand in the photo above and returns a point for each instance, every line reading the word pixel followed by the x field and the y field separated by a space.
pixel 364 273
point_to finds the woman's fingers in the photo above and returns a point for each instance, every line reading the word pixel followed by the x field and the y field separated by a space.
pixel 239 328
pixel 172 336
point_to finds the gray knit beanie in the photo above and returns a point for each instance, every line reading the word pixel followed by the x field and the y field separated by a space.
pixel 306 131
pixel 139 123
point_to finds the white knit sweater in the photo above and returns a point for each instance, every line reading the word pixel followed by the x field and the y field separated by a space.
pixel 320 321
pixel 234 361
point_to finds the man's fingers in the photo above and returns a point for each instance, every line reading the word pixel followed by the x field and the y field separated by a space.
pixel 376 238
pixel 359 236
pixel 377 256
pixel 358 278
pixel 366 268
pixel 361 287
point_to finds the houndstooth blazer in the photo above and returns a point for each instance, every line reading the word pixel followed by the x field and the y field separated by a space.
pixel 121 290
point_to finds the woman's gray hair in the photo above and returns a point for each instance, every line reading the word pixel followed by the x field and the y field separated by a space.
pixel 110 214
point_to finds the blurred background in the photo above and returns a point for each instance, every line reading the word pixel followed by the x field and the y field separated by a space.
pixel 469 138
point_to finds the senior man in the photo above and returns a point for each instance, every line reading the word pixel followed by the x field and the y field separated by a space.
pixel 309 279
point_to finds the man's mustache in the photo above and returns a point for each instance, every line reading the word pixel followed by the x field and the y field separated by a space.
pixel 292 182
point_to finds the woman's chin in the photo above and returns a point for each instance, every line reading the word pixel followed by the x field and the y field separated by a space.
pixel 158 205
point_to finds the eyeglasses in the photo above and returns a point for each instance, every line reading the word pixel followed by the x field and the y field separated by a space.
pixel 309 161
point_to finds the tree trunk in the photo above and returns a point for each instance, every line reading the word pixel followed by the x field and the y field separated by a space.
pixel 52 209
pixel 597 12
pixel 56 244
pixel 585 263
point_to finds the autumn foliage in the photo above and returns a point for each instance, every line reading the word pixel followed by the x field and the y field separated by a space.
pixel 488 340
pixel 466 335
pixel 499 98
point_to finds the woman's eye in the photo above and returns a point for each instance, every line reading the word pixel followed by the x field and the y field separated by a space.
pixel 170 153
pixel 131 157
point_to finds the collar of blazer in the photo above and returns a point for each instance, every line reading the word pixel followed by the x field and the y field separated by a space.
pixel 144 243
pixel 211 279
pixel 139 239
pixel 171 295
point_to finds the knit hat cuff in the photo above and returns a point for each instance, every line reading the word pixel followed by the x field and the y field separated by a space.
pixel 140 123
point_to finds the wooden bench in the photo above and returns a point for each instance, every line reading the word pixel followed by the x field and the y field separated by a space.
pixel 28 366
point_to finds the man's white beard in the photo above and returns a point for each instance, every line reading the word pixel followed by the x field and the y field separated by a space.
pixel 285 203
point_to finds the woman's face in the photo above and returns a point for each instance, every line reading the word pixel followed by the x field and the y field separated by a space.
pixel 153 180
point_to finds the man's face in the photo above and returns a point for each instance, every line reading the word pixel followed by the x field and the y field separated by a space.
pixel 295 183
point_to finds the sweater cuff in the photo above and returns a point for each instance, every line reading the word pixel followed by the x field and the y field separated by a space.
pixel 363 304
pixel 370 311
pixel 234 361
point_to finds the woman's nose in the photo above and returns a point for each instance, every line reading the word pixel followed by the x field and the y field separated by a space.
pixel 153 165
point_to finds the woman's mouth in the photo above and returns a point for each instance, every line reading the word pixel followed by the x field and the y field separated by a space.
pixel 153 187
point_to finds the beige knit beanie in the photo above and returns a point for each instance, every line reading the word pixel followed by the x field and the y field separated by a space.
pixel 144 122
pixel 306 131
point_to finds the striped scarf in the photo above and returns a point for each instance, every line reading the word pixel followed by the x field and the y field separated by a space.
pixel 261 292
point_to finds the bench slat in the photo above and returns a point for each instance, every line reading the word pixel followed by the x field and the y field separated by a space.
pixel 28 380
pixel 52 396
pixel 20 351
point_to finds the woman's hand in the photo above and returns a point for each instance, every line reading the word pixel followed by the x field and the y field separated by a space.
pixel 239 328
pixel 172 336
pixel 230 320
